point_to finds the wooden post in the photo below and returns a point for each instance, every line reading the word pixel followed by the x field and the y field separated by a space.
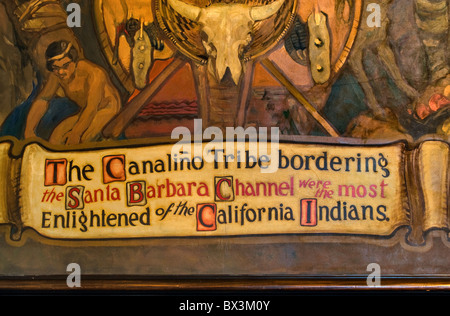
pixel 244 94
pixel 200 72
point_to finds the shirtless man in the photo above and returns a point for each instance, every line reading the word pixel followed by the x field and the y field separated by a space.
pixel 84 83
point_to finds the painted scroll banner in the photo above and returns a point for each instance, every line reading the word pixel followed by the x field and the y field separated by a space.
pixel 150 191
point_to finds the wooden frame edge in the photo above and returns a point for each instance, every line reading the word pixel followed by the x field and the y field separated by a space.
pixel 357 284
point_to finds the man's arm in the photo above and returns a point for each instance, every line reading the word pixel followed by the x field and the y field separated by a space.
pixel 40 106
pixel 94 92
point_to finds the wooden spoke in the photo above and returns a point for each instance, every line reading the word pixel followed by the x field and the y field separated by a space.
pixel 116 126
pixel 276 72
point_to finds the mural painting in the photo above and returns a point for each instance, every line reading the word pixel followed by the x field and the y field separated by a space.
pixel 225 138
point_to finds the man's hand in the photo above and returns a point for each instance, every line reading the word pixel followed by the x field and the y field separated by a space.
pixel 72 138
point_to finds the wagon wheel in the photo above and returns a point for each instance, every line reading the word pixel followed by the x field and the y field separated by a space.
pixel 130 111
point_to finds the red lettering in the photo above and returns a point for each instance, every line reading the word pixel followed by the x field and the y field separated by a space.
pixel 206 217
pixel 219 193
pixel 74 202
pixel 55 172
pixel 136 193
pixel 308 212
pixel 113 168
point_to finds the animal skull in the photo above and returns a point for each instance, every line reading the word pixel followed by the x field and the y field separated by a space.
pixel 226 31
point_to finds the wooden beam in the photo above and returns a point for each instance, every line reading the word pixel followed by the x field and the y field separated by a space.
pixel 244 94
pixel 202 88
pixel 276 72
pixel 118 124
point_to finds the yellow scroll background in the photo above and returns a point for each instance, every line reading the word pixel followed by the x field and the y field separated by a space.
pixel 32 188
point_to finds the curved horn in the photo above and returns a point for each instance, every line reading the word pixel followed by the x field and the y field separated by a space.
pixel 263 12
pixel 187 10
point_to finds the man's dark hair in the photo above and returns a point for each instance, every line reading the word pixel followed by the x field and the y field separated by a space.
pixel 58 48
